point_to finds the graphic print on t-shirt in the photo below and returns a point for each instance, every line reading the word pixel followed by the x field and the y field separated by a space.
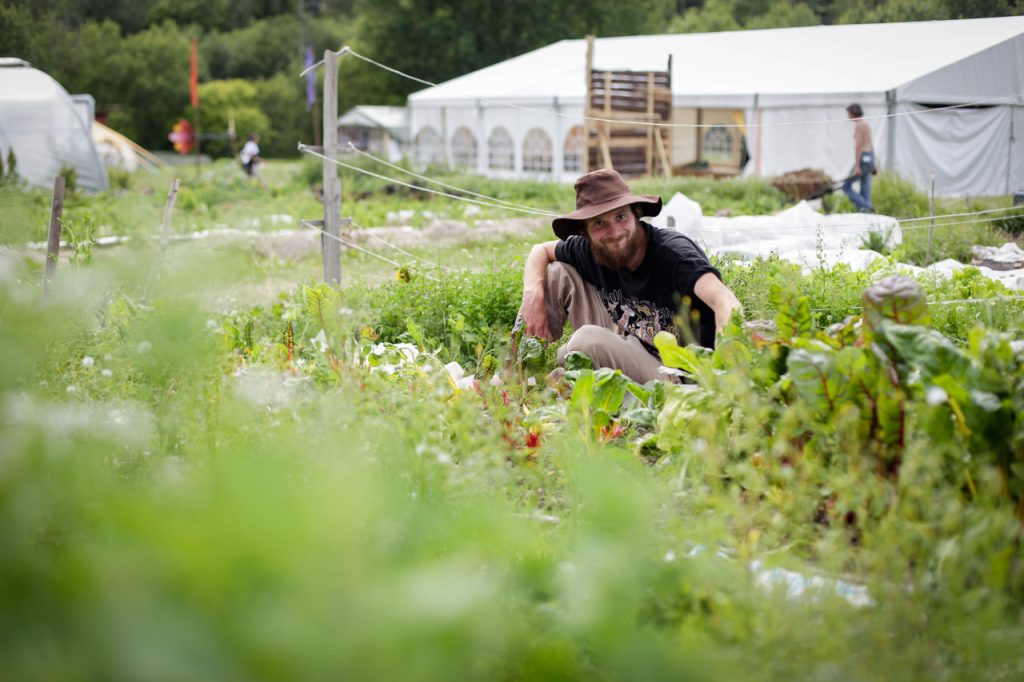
pixel 636 316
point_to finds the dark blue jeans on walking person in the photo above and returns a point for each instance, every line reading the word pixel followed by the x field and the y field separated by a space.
pixel 861 199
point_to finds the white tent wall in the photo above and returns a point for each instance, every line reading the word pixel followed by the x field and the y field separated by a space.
pixel 793 137
pixel 554 119
pixel 967 149
pixel 38 119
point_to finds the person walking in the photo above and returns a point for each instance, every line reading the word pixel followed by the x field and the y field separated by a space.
pixel 863 163
pixel 250 155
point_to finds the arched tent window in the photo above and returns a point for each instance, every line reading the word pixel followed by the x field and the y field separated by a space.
pixel 573 151
pixel 537 151
pixel 464 148
pixel 428 146
pixel 718 145
pixel 500 150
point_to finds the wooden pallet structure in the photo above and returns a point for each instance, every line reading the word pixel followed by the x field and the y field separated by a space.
pixel 623 102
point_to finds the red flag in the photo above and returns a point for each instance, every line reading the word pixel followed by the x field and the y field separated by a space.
pixel 193 78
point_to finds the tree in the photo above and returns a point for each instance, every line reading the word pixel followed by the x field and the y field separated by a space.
pixel 282 99
pixel 220 15
pixel 150 72
pixel 221 101
pixel 783 14
pixel 732 15
pixel 896 10
pixel 259 50
pixel 715 15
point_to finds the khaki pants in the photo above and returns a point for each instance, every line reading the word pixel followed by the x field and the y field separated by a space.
pixel 568 296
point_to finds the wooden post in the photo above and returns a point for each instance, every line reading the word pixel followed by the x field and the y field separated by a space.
pixel 700 135
pixel 931 225
pixel 53 239
pixel 587 104
pixel 197 137
pixel 332 184
pixel 650 123
pixel 165 224
pixel 606 144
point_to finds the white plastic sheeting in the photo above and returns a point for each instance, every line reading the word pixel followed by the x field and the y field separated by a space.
pixel 38 120
pixel 812 240
pixel 797 229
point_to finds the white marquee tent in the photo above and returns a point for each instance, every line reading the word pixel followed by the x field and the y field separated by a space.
pixel 39 121
pixel 784 89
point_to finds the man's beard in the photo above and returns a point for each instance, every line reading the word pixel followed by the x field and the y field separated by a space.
pixel 621 253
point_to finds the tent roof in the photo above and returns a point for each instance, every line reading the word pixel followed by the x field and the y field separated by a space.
pixel 393 119
pixel 854 58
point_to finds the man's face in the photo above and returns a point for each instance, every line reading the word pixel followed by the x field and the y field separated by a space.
pixel 616 239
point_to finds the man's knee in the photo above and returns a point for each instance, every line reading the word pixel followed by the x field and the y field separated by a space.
pixel 593 341
pixel 590 339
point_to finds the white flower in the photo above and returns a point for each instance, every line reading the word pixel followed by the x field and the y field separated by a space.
pixel 936 395
pixel 88 361
pixel 107 373
pixel 211 324
pixel 144 346
pixel 72 388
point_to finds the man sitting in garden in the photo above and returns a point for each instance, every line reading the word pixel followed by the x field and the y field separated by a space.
pixel 619 281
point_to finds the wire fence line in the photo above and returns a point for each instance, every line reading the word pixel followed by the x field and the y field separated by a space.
pixel 426 178
pixel 501 204
pixel 346 50
pixel 353 245
pixel 306 150
pixel 400 250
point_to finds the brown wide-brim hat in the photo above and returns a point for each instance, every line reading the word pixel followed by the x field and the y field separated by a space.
pixel 598 192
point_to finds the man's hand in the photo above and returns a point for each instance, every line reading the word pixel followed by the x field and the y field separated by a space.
pixel 533 309
pixel 535 314
pixel 718 297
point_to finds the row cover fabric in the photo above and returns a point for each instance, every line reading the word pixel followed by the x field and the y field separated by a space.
pixel 812 240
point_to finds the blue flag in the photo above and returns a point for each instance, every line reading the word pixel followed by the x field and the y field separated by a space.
pixel 310 79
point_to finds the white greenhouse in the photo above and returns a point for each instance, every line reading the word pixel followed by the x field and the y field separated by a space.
pixel 778 94
pixel 39 121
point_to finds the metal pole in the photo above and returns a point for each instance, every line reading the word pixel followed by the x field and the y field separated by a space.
pixel 332 184
pixel 53 241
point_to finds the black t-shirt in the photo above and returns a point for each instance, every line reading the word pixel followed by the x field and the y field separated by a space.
pixel 644 302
